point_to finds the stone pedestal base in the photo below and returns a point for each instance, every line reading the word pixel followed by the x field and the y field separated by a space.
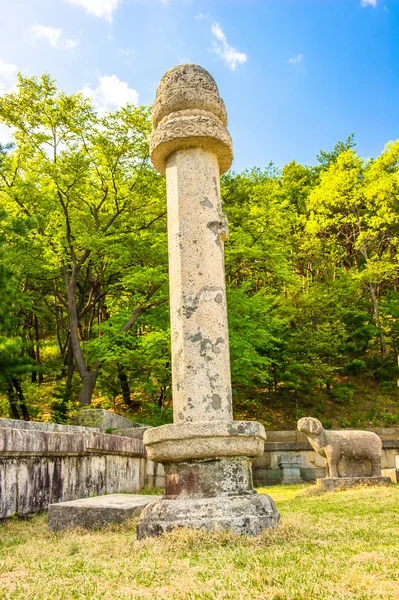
pixel 210 494
pixel 333 483
pixel 241 514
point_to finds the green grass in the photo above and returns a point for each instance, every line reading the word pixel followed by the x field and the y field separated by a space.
pixel 340 545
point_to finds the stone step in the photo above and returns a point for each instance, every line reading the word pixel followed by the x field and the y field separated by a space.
pixel 94 513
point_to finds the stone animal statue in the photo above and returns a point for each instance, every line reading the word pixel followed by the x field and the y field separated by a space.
pixel 337 445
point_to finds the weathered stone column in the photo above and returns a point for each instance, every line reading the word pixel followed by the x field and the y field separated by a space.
pixel 206 455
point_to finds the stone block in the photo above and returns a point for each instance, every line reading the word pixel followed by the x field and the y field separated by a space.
pixel 311 474
pixel 388 457
pixel 154 474
pixel 286 446
pixel 23 442
pixel 94 513
pixel 312 460
pixel 263 477
pixel 397 461
pixel 120 470
pixel 104 419
pixel 83 476
pixel 136 433
pixel 8 487
pixel 102 443
pixel 290 466
pixel 387 433
pixel 281 436
pixel 393 474
pixel 388 444
pixel 49 427
pixel 332 483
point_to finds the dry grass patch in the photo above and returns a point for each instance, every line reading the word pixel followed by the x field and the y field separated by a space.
pixel 342 545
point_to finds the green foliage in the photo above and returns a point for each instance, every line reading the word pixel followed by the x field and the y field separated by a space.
pixel 311 269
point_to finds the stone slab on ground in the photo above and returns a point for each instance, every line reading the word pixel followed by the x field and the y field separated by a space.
pixel 333 483
pixel 93 513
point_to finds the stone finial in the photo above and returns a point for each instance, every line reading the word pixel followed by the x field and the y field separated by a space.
pixel 189 113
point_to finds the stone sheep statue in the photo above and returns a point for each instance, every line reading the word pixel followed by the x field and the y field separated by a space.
pixel 337 445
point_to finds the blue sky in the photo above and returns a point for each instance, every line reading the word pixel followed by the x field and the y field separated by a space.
pixel 296 75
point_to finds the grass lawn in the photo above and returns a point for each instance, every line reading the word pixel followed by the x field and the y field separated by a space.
pixel 338 545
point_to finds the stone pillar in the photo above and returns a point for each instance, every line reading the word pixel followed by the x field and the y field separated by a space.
pixel 200 349
pixel 206 455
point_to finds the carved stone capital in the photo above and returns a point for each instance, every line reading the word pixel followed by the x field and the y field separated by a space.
pixel 189 113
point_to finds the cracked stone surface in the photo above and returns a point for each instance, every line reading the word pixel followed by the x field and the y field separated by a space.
pixel 200 348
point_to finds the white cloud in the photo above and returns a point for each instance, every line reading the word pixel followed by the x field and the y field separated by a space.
pixel 110 93
pixel 100 8
pixel 124 52
pixel 52 35
pixel 8 78
pixel 296 59
pixel 365 3
pixel 8 71
pixel 103 9
pixel 70 44
pixel 201 16
pixel 230 55
pixel 5 133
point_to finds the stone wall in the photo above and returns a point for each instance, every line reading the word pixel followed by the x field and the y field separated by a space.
pixel 283 445
pixel 42 463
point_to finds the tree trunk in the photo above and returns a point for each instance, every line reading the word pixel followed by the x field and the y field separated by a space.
pixel 37 349
pixel 12 400
pixel 161 397
pixel 394 260
pixel 375 307
pixel 124 382
pixel 88 377
pixel 88 384
pixel 71 369
pixel 378 321
pixel 21 398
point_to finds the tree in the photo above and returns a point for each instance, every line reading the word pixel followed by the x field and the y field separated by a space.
pixel 14 359
pixel 86 183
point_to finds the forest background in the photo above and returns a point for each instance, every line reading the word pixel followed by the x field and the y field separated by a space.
pixel 311 269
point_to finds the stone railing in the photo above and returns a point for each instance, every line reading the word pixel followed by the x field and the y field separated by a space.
pixel 43 463
pixel 290 451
